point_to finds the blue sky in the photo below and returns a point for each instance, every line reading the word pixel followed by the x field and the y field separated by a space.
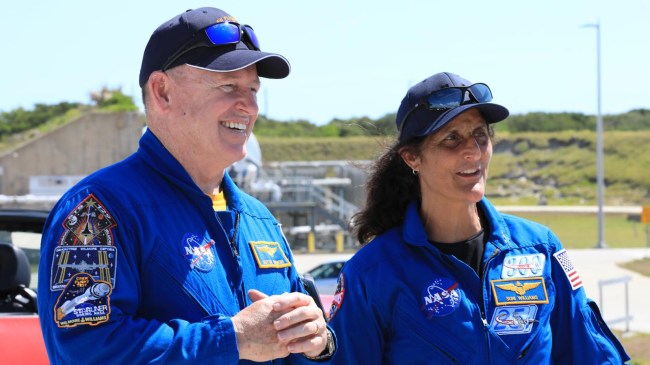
pixel 349 58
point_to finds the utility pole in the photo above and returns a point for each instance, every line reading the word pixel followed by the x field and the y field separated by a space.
pixel 600 170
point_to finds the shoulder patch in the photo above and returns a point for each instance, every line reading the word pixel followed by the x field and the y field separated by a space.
pixel 269 255
pixel 337 302
pixel 570 271
pixel 89 223
pixel 83 301
pixel 97 261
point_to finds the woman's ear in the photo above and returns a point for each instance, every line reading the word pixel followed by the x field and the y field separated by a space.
pixel 410 158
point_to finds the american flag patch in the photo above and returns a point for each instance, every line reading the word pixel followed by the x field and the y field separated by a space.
pixel 563 259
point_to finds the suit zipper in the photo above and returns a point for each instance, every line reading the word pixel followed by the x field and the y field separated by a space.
pixel 486 325
pixel 233 240
pixel 235 251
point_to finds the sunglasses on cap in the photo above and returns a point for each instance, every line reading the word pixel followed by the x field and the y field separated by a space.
pixel 450 98
pixel 219 34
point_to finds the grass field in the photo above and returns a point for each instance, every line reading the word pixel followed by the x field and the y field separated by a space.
pixel 636 346
pixel 581 230
pixel 560 166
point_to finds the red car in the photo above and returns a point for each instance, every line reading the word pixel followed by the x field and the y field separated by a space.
pixel 21 341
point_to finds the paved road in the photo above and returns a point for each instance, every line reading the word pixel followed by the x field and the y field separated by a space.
pixel 593 265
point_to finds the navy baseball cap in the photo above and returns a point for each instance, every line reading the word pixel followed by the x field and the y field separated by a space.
pixel 415 119
pixel 174 34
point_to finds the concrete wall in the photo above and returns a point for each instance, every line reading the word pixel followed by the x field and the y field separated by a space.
pixel 80 147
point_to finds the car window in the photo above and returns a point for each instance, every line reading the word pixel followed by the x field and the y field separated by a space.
pixel 30 242
pixel 327 271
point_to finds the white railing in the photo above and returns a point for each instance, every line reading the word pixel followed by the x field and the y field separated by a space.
pixel 627 318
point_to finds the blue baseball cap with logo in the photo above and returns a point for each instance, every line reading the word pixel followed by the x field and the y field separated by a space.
pixel 437 100
pixel 211 39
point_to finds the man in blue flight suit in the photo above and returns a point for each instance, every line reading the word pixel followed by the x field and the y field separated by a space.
pixel 160 258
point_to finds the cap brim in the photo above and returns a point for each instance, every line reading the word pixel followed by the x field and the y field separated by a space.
pixel 493 113
pixel 269 65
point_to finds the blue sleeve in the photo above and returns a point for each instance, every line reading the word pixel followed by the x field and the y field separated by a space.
pixel 580 335
pixel 356 319
pixel 107 329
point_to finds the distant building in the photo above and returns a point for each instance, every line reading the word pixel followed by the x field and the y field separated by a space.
pixel 53 162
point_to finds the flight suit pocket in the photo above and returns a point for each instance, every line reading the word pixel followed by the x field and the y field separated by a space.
pixel 434 335
pixel 189 287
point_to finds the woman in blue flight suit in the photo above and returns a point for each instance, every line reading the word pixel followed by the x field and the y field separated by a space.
pixel 444 277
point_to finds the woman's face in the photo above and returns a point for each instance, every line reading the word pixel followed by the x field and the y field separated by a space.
pixel 452 163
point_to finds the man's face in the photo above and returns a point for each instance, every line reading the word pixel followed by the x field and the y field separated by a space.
pixel 213 114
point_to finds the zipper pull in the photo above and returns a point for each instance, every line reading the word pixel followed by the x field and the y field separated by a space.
pixel 233 240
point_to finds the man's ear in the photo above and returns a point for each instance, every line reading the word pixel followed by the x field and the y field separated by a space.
pixel 158 89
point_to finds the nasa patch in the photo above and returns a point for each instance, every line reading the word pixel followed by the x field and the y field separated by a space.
pixel 337 302
pixel 83 301
pixel 523 266
pixel 269 255
pixel 197 250
pixel 514 320
pixel 441 297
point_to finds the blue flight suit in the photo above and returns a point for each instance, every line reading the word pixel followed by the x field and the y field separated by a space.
pixel 136 267
pixel 401 301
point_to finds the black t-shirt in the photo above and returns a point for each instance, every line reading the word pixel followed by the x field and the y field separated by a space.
pixel 469 251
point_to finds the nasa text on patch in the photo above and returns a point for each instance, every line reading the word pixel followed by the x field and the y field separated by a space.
pixel 441 297
pixel 523 266
pixel 269 255
pixel 197 250
pixel 514 320
pixel 519 291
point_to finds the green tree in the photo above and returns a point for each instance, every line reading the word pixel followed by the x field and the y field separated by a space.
pixel 20 120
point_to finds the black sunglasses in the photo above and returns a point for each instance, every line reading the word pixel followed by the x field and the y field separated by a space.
pixel 219 34
pixel 450 98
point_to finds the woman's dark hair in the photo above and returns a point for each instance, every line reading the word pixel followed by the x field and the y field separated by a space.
pixel 391 185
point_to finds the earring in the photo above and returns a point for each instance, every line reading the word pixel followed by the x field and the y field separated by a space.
pixel 415 172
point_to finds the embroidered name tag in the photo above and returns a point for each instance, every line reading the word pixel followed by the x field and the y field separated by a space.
pixel 269 255
pixel 519 291
pixel 514 320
